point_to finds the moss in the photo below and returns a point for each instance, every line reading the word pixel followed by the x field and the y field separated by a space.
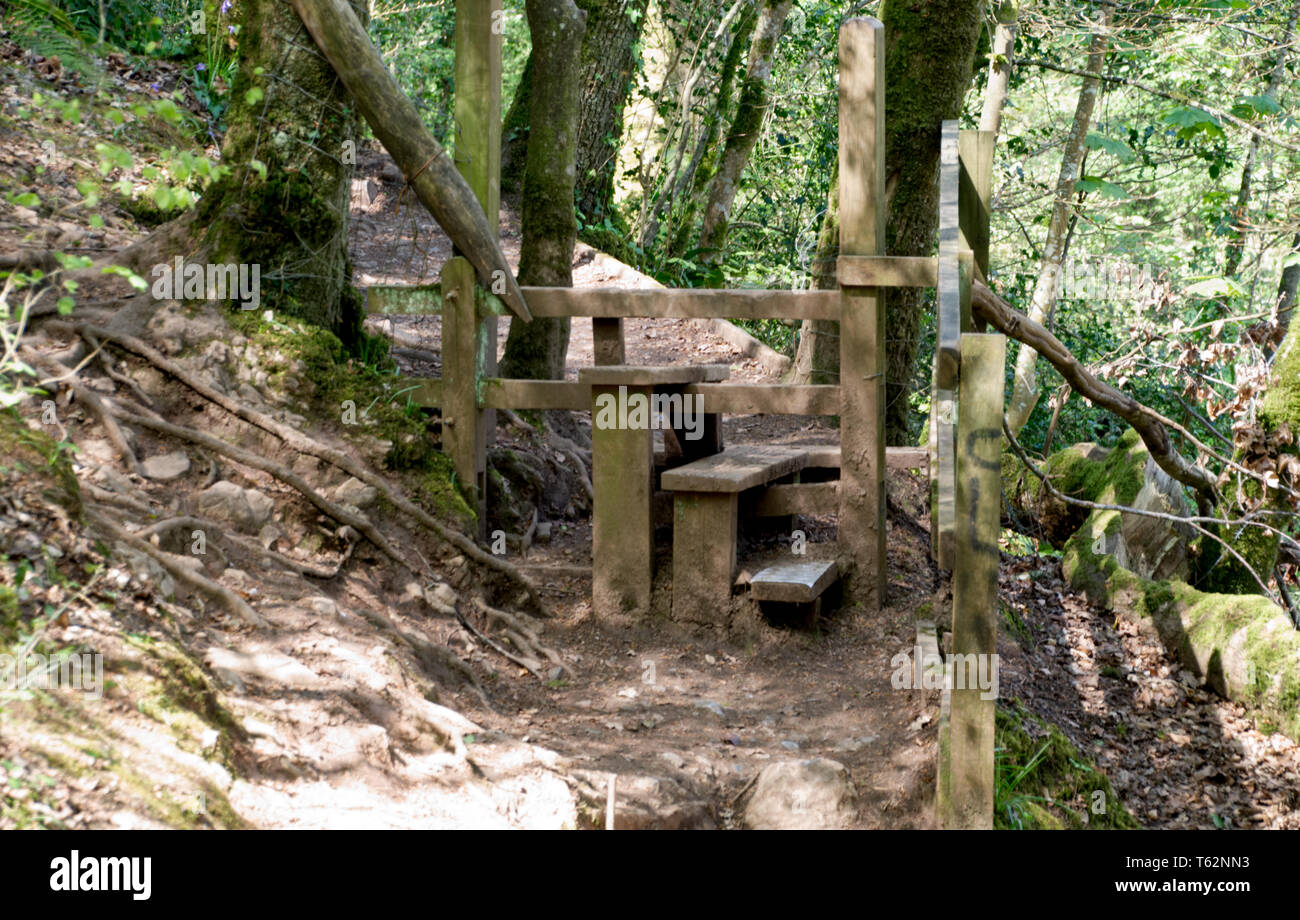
pixel 36 453
pixel 1045 783
pixel 186 701
pixel 1241 645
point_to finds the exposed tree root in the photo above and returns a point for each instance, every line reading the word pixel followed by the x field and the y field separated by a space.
pixel 229 599
pixel 247 544
pixel 310 446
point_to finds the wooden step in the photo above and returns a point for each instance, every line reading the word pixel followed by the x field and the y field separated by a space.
pixel 735 469
pixel 794 582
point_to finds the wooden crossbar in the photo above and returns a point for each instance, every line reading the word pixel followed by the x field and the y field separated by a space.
pixel 682 303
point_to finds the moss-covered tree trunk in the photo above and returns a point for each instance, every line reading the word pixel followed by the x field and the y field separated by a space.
pixel 607 65
pixel 929 55
pixel 290 146
pixel 536 350
pixel 609 60
pixel 1261 448
pixel 755 100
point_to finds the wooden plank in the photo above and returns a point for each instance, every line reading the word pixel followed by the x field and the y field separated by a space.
pixel 704 556
pixel 734 470
pixel 607 341
pixel 944 509
pixel 404 299
pixel 462 431
pixel 685 303
pixel 768 398
pixel 798 498
pixel 946 355
pixel 975 598
pixel 477 104
pixel 477 114
pixel 887 271
pixel 792 582
pixel 975 151
pixel 652 374
pixel 510 393
pixel 862 324
pixel 896 458
pixel 622 531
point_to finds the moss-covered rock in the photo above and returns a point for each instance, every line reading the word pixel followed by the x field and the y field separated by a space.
pixel 1243 646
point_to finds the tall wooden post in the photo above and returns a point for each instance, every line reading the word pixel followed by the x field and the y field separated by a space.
pixel 477 113
pixel 464 352
pixel 975 151
pixel 862 321
pixel 943 393
pixel 966 774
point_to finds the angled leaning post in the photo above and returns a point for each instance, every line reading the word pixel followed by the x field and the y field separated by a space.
pixel 862 322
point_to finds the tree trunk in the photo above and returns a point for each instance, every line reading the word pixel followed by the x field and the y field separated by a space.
pixel 1024 389
pixel 430 171
pixel 818 357
pixel 537 350
pixel 292 217
pixel 1287 285
pixel 605 81
pixel 674 182
pixel 609 60
pixel 692 185
pixel 514 133
pixel 1004 46
pixel 755 101
pixel 930 52
pixel 1237 244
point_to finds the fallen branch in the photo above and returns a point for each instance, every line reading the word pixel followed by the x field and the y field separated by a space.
pixel 996 312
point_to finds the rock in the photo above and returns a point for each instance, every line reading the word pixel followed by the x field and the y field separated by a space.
pixel 267 666
pixel 543 535
pixel 166 466
pixel 715 708
pixel 247 508
pixel 356 493
pixel 1156 548
pixel 324 606
pixel 676 760
pixel 442 597
pixel 801 795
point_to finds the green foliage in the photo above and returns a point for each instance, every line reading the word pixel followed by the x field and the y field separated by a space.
pixel 1043 782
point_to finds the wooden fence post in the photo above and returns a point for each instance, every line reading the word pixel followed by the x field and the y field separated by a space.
pixel 943 393
pixel 862 320
pixel 477 113
pixel 966 792
pixel 464 350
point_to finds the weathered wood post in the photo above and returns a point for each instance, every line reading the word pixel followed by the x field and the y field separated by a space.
pixel 975 153
pixel 966 791
pixel 862 321
pixel 477 112
pixel 464 350
pixel 943 395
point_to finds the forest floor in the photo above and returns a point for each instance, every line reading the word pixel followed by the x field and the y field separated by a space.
pixel 335 715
